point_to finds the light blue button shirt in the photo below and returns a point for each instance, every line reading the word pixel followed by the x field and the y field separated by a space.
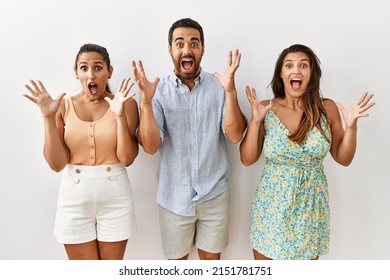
pixel 194 162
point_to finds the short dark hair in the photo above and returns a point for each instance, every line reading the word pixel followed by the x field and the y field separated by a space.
pixel 185 22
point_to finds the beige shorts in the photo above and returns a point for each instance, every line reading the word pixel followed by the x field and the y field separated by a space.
pixel 208 230
pixel 94 202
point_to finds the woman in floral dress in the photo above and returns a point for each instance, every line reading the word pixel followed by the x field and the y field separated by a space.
pixel 290 212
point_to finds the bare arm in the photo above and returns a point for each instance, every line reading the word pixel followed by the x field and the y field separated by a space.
pixel 148 132
pixel 126 113
pixel 127 144
pixel 252 144
pixel 234 120
pixel 344 142
pixel 54 149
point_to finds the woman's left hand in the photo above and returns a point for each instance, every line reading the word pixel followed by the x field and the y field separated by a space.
pixel 120 97
pixel 357 110
pixel 227 79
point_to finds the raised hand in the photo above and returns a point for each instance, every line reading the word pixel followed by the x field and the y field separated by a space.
pixel 42 98
pixel 147 89
pixel 227 79
pixel 357 110
pixel 120 97
pixel 258 109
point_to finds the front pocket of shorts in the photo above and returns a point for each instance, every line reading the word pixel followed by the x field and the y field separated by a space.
pixel 68 182
pixel 121 183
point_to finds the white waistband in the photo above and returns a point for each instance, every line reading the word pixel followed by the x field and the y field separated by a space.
pixel 98 170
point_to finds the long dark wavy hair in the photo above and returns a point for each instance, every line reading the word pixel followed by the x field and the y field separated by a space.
pixel 312 98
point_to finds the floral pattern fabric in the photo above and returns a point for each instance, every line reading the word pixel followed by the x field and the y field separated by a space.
pixel 290 212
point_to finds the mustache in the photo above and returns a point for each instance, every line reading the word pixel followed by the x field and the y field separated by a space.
pixel 187 56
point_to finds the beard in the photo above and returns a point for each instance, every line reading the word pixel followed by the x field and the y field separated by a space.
pixel 189 74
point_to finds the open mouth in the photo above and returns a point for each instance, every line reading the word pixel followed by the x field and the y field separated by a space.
pixel 92 88
pixel 295 83
pixel 187 63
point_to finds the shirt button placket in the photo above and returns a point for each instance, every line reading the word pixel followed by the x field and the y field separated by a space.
pixel 194 140
pixel 92 148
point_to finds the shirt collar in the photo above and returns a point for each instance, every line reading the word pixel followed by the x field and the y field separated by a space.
pixel 177 82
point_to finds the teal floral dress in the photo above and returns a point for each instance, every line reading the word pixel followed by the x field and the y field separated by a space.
pixel 290 212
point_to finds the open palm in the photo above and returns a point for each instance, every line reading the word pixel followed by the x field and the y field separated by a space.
pixel 120 97
pixel 39 95
pixel 147 88
pixel 227 79
pixel 258 109
pixel 358 110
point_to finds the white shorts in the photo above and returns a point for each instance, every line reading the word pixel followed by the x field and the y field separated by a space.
pixel 94 202
pixel 208 230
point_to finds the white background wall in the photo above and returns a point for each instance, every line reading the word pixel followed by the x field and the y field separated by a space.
pixel 39 40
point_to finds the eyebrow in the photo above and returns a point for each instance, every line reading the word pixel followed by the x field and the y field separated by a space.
pixel 95 62
pixel 289 60
pixel 192 39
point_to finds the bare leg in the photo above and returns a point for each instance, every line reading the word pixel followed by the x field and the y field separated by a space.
pixel 112 250
pixel 83 251
pixel 258 256
pixel 203 255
